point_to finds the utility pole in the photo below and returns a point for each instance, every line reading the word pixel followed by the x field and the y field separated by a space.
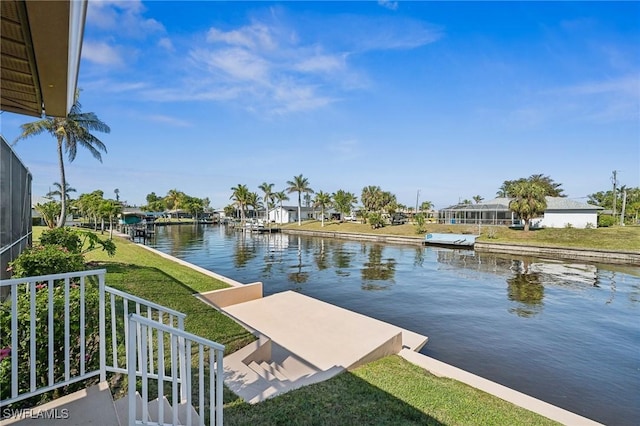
pixel 624 204
pixel 614 180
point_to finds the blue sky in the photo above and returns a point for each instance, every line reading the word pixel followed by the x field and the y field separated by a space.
pixel 447 98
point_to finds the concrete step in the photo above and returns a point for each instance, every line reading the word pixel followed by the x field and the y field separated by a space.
pixel 91 406
pixel 265 374
pixel 275 369
pixel 122 409
pixel 165 406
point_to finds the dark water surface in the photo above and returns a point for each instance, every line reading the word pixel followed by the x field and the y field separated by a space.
pixel 564 332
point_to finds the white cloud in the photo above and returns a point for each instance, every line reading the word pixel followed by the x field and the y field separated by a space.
pixel 101 53
pixel 173 121
pixel 166 44
pixel 391 5
pixel 124 16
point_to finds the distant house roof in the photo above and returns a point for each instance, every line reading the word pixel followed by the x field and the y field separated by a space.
pixel 502 203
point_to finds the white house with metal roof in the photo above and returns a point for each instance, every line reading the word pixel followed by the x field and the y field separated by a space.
pixel 560 212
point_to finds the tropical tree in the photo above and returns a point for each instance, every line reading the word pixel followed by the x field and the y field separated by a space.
pixel 193 205
pixel 343 201
pixel 240 197
pixel 528 201
pixel 155 203
pixel 174 199
pixel 267 188
pixel 58 191
pixel 89 205
pixel 70 132
pixel 299 184
pixel 371 198
pixel 478 198
pixel 117 192
pixel 253 201
pixel 49 212
pixel 280 197
pixel 322 200
pixel 426 206
pixel 551 188
pixel 110 209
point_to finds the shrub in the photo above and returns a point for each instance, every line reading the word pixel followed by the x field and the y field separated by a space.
pixel 77 241
pixel 45 260
pixel 589 225
pixel 606 220
pixel 376 220
pixel 41 361
pixel 64 237
pixel 420 223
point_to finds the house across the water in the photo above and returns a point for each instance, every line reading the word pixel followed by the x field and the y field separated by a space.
pixel 560 212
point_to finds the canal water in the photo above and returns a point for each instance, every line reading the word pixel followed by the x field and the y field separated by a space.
pixel 565 332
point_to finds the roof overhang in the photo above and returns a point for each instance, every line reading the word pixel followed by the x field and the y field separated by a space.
pixel 40 55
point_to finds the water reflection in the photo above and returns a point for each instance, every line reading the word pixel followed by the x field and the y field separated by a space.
pixel 377 269
pixel 299 276
pixel 526 288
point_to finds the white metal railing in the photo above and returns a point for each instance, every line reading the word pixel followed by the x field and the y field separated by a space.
pixel 209 356
pixel 42 307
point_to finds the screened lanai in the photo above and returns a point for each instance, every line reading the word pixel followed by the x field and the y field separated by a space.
pixel 494 212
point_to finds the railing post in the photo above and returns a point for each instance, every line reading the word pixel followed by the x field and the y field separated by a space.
pixel 103 337
pixel 182 359
pixel 131 348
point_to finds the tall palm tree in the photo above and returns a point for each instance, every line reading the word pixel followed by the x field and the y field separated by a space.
pixel 280 196
pixel 253 200
pixel 58 191
pixel 529 201
pixel 267 188
pixel 299 184
pixel 70 132
pixel 240 196
pixel 322 200
pixel 478 198
pixel 174 199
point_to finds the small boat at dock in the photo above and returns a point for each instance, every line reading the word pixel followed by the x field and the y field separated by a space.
pixel 457 240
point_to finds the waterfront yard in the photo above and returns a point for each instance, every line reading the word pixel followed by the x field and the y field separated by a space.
pixel 388 391
pixel 616 238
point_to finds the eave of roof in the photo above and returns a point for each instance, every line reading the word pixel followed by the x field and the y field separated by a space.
pixel 40 55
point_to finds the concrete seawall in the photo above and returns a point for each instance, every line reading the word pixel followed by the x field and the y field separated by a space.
pixel 590 255
pixel 593 255
pixel 388 239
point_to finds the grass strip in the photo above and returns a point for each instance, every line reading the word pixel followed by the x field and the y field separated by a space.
pixel 390 391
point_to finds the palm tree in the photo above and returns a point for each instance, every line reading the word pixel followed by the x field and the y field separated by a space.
pixel 299 184
pixel 58 191
pixel 280 197
pixel 267 188
pixel 477 198
pixel 529 201
pixel 70 132
pixel 253 200
pixel 174 199
pixel 240 197
pixel 344 201
pixel 117 192
pixel 322 200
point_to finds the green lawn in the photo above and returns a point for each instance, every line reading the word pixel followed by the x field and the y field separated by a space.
pixel 390 391
pixel 616 238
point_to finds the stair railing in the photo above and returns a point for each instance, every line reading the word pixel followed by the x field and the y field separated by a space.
pixel 209 356
pixel 42 307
